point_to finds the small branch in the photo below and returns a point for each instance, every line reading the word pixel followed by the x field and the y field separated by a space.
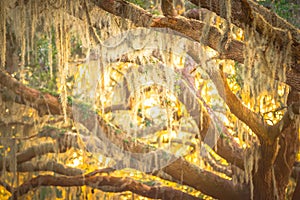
pixel 286 120
pixel 111 184
pixel 7 186
pixel 116 107
pixel 275 111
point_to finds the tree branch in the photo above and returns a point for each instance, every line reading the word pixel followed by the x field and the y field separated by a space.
pixel 218 166
pixel 266 23
pixel 28 154
pixel 286 121
pixel 7 186
pixel 226 146
pixel 206 182
pixel 42 102
pixel 194 29
pixel 63 143
pixel 49 166
pixel 126 10
pixel 106 183
pixel 250 118
pixel 288 143
pixel 296 194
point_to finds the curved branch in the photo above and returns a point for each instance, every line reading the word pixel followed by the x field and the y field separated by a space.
pixel 106 183
pixel 217 166
pixel 250 118
pixel 44 103
pixel 231 152
pixel 194 29
pixel 268 24
pixel 126 10
pixel 206 182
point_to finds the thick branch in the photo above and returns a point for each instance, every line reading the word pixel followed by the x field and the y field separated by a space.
pixel 42 102
pixel 28 154
pixel 253 120
pixel 111 183
pixel 126 10
pixel 49 166
pixel 268 24
pixel 217 166
pixel 7 186
pixel 205 181
pixel 296 194
pixel 288 147
pixel 64 142
pixel 194 29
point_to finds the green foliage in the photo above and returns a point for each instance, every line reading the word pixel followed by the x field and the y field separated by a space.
pixel 237 77
pixel 76 49
pixel 285 9
pixel 84 108
pixel 38 70
pixel 152 5
pixel 143 3
pixel 238 74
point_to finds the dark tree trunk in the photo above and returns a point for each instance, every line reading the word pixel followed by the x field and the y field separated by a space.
pixel 263 181
pixel 276 161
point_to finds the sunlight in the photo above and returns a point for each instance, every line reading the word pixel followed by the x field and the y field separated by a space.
pixel 76 160
pixel 149 99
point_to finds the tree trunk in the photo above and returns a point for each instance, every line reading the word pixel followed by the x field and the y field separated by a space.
pixel 263 179
pixel 276 161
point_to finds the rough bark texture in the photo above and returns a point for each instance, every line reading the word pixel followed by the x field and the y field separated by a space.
pixel 278 144
pixel 106 183
pixel 193 29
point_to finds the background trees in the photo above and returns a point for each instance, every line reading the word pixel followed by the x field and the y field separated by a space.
pixel 219 115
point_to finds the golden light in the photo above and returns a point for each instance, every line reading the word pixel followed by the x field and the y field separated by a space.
pixel 76 160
